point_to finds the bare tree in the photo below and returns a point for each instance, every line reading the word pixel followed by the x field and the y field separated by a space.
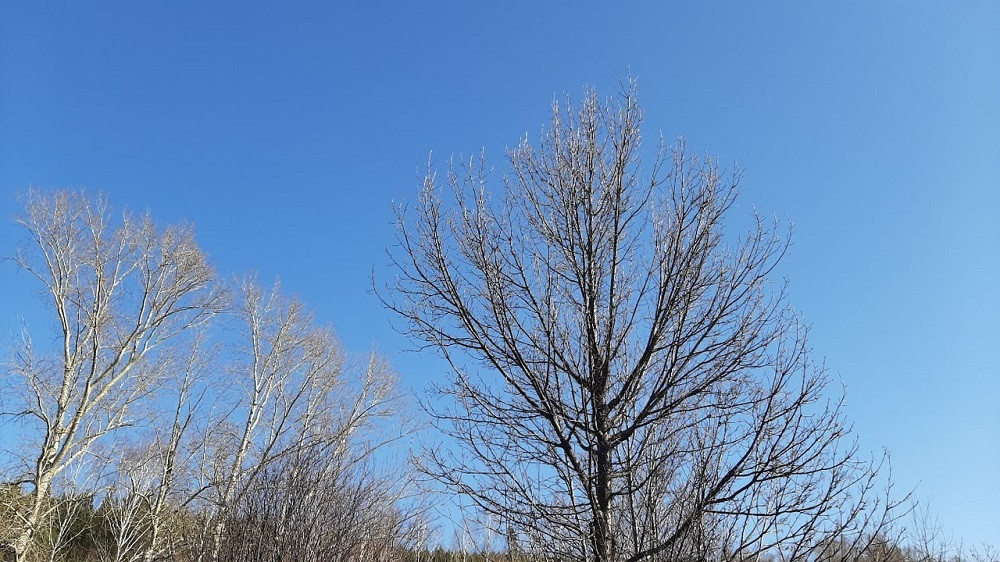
pixel 626 385
pixel 160 475
pixel 127 519
pixel 119 291
pixel 294 397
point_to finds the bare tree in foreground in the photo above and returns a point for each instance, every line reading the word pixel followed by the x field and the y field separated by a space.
pixel 119 292
pixel 626 386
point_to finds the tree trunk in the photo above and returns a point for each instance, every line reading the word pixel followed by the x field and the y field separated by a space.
pixel 23 541
pixel 603 550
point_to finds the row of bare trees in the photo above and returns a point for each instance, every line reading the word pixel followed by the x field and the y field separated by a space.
pixel 627 385
pixel 203 418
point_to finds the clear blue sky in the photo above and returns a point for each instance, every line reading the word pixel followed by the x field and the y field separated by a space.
pixel 286 132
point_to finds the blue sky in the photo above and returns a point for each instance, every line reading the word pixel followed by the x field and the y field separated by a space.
pixel 285 133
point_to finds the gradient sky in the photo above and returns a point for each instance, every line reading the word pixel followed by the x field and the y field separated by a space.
pixel 285 133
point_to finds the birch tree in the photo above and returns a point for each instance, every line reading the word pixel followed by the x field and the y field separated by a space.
pixel 626 384
pixel 172 451
pixel 296 398
pixel 119 291
pixel 155 479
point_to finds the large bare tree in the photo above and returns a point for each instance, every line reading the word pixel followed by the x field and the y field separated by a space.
pixel 119 291
pixel 627 385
